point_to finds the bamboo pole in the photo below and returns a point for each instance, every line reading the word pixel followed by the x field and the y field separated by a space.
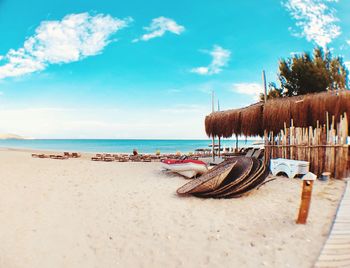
pixel 213 138
pixel 264 84
pixel 324 147
pixel 291 139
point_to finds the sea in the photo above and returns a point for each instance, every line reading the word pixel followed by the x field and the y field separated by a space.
pixel 117 145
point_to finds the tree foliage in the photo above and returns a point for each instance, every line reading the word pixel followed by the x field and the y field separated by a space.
pixel 302 74
pixel 273 92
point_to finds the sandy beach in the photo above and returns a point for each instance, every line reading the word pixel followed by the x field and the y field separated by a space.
pixel 79 213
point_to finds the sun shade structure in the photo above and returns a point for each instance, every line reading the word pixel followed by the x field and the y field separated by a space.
pixel 274 115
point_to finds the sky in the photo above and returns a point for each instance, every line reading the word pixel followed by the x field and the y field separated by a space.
pixel 146 69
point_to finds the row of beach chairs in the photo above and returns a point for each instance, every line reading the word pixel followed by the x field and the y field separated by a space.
pixel 135 158
pixel 65 156
pixel 124 158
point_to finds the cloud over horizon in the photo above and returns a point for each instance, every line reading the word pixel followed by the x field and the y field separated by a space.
pixel 71 39
pixel 252 89
pixel 316 20
pixel 57 122
pixel 159 26
pixel 220 58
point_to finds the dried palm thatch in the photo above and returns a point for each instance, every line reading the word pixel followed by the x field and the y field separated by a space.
pixel 247 120
pixel 274 114
pixel 344 104
pixel 306 110
pixel 252 120
pixel 209 125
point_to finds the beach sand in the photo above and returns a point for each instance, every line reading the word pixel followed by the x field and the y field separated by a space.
pixel 79 213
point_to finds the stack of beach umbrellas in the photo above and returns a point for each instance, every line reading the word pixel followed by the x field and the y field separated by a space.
pixel 232 178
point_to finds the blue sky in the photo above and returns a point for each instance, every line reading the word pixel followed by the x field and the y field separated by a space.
pixel 145 69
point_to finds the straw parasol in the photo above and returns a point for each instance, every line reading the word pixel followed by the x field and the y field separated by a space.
pixel 305 110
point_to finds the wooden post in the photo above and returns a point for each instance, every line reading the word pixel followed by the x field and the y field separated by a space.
pixel 264 83
pixel 236 143
pixel 212 101
pixel 213 149
pixel 305 201
pixel 291 139
pixel 213 110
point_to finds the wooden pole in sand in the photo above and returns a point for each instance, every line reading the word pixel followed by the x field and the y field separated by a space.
pixel 305 201
pixel 219 137
pixel 213 138
pixel 265 89
pixel 264 83
pixel 236 143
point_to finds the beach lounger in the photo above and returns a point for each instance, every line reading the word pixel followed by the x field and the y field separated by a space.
pixel 155 157
pixel 135 158
pixel 108 159
pixel 97 157
pixel 60 157
pixel 76 155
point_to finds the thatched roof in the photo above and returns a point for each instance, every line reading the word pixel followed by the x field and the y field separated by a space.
pixel 305 111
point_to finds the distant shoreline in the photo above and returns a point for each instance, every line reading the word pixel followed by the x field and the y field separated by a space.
pixel 116 146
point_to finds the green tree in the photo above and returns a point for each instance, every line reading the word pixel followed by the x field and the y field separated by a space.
pixel 302 74
pixel 273 92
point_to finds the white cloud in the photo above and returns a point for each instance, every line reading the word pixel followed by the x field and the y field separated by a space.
pixel 295 53
pixel 252 89
pixel 347 64
pixel 67 122
pixel 185 109
pixel 220 59
pixel 316 19
pixel 73 38
pixel 173 90
pixel 159 26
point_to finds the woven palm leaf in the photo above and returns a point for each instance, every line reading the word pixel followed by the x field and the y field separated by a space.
pixel 253 185
pixel 250 180
pixel 240 171
pixel 208 181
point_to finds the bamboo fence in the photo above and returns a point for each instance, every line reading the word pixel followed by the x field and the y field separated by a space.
pixel 324 147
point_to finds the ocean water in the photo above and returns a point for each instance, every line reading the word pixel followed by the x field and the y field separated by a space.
pixel 117 146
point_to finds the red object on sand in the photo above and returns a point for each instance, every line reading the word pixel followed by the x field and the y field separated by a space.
pixel 185 167
pixel 178 161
